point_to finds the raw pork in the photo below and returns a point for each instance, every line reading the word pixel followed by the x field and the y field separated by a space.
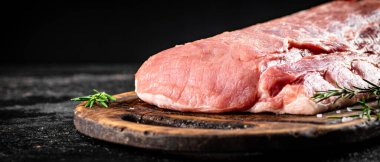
pixel 270 67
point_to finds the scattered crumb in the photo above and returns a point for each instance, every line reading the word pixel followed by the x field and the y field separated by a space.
pixel 37 146
pixel 338 111
pixel 364 124
pixel 347 119
pixel 319 115
pixel 349 109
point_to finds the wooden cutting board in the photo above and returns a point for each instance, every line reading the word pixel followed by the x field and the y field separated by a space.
pixel 131 121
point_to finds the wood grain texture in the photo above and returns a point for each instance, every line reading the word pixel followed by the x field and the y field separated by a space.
pixel 131 121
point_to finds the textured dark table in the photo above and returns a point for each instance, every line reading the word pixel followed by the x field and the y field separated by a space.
pixel 36 121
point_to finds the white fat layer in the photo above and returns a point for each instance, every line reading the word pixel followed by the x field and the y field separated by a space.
pixel 304 105
pixel 301 105
pixel 165 102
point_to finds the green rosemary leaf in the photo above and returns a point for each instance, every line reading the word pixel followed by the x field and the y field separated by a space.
pixel 347 93
pixel 372 84
pixel 87 104
pixel 357 109
pixel 91 103
pixel 104 104
pixel 80 99
pixel 335 116
pixel 355 115
pixel 101 98
pixel 110 97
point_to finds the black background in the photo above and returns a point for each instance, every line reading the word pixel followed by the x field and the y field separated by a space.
pixel 123 32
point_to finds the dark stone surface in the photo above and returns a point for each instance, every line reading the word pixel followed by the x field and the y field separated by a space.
pixel 36 121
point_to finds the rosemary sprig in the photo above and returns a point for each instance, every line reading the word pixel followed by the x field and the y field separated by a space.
pixel 372 89
pixel 101 98
pixel 340 92
pixel 348 93
pixel 365 109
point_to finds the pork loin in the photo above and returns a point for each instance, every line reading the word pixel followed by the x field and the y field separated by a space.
pixel 274 66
